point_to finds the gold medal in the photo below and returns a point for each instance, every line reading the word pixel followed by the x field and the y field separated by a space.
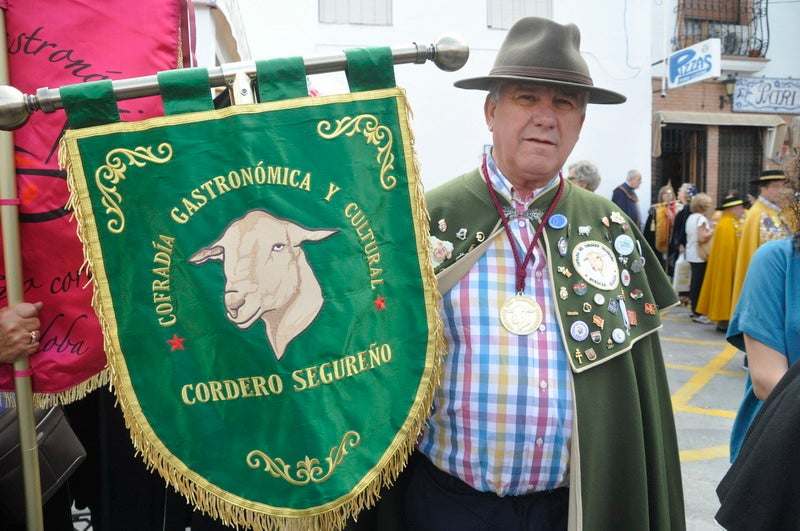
pixel 521 315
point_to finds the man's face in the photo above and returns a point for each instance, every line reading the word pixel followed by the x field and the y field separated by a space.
pixel 635 181
pixel 774 192
pixel 737 211
pixel 534 128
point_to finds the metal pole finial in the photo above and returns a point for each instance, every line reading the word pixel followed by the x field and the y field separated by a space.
pixel 14 112
pixel 451 52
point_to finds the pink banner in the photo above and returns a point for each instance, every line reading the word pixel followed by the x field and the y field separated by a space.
pixel 52 43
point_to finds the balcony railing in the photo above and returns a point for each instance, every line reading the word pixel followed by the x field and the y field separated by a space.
pixel 741 25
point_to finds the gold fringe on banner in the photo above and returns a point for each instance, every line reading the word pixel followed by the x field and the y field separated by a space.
pixel 73 394
pixel 232 510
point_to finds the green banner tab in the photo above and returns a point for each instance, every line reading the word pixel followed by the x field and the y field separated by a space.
pixel 89 104
pixel 185 90
pixel 269 307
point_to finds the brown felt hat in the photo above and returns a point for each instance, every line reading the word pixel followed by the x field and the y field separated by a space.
pixel 538 50
pixel 769 176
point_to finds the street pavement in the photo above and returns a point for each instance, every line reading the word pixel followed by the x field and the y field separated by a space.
pixel 706 381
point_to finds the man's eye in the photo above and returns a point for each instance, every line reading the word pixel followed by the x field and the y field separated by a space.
pixel 565 104
pixel 278 247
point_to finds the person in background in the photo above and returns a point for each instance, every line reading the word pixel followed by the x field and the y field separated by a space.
pixel 624 196
pixel 660 220
pixel 698 232
pixel 585 174
pixel 685 194
pixel 761 492
pixel 546 417
pixel 767 219
pixel 717 291
pixel 678 242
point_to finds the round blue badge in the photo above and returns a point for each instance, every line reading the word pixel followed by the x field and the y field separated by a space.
pixel 558 221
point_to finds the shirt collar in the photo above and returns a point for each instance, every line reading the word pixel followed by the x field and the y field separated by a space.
pixel 769 203
pixel 501 183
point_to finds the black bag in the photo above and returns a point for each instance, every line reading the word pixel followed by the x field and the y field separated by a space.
pixel 60 453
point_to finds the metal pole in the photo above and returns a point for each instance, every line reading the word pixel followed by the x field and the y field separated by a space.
pixel 449 52
pixel 9 218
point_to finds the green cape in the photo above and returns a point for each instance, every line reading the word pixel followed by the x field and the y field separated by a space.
pixel 624 466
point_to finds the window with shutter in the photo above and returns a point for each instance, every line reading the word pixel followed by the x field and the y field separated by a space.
pixel 740 150
pixel 368 12
pixel 501 14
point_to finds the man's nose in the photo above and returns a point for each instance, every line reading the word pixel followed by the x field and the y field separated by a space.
pixel 544 114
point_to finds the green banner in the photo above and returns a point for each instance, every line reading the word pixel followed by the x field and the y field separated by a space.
pixel 262 277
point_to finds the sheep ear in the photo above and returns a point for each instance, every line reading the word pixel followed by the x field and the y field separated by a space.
pixel 298 234
pixel 212 252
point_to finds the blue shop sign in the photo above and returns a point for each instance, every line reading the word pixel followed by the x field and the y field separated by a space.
pixel 767 95
pixel 695 63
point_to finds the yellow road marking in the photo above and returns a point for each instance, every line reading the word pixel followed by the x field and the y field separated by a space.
pixel 700 379
pixel 694 341
pixel 723 413
pixel 693 368
pixel 675 366
pixel 702 454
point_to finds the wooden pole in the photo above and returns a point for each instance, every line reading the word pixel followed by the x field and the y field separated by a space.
pixel 9 219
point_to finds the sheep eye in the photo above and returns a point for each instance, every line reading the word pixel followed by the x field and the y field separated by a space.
pixel 278 247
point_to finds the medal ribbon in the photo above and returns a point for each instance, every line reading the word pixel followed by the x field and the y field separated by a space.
pixel 521 264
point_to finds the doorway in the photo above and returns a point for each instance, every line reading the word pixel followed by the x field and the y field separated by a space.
pixel 683 158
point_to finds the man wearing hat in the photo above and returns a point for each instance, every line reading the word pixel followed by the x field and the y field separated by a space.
pixel 715 295
pixel 766 220
pixel 554 409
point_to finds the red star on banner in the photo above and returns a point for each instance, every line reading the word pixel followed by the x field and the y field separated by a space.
pixel 380 303
pixel 176 342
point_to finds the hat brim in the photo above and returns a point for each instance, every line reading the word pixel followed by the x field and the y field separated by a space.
pixel 768 179
pixel 730 204
pixel 596 94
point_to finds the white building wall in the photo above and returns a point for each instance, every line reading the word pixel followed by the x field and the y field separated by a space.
pixel 448 122
pixel 782 53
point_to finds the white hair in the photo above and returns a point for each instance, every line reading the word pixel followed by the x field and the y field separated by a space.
pixel 632 174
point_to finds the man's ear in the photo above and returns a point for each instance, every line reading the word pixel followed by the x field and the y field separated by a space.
pixel 489 106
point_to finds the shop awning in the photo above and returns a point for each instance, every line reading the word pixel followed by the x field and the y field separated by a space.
pixel 775 127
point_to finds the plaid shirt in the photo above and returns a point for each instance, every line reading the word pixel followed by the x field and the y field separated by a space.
pixel 502 419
